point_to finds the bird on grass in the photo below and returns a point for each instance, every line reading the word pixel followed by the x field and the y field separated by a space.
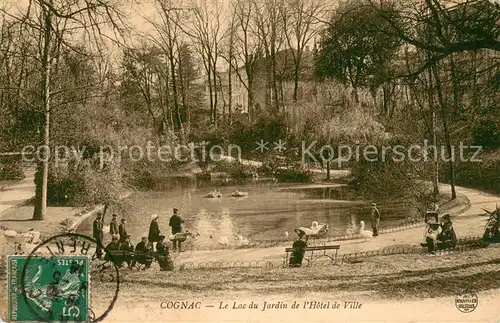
pixel 242 241
pixel 223 241
pixel 366 234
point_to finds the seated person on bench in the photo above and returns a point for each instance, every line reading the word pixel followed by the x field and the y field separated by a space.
pixel 114 245
pixel 447 238
pixel 127 247
pixel 163 255
pixel 298 252
pixel 143 252
pixel 431 235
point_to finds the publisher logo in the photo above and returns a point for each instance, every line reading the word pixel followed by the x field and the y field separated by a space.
pixel 466 302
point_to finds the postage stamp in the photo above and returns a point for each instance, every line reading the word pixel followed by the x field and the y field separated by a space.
pixel 48 288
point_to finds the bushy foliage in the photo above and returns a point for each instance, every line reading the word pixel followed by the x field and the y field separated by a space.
pixel 486 134
pixel 84 183
pixel 294 174
pixel 484 174
pixel 11 168
pixel 388 176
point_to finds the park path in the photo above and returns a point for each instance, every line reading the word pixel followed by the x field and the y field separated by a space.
pixel 469 223
pixel 18 192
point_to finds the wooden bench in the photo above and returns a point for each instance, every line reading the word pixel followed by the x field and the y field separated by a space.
pixel 120 256
pixel 310 256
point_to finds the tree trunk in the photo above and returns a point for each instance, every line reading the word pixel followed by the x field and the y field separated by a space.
pixel 250 98
pixel 175 93
pixel 106 207
pixel 40 208
pixel 230 92
pixel 454 82
pixel 328 169
pixel 184 82
pixel 209 78
pixel 215 94
pixel 442 105
pixel 435 179
pixel 296 77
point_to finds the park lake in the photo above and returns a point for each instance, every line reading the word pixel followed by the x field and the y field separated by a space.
pixel 269 210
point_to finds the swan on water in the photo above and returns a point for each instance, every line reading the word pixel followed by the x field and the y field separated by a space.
pixel 286 234
pixel 366 234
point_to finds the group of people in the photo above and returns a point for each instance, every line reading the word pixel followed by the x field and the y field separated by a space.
pixel 151 247
pixel 439 234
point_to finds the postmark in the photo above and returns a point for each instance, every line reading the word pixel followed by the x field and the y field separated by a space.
pixel 466 302
pixel 52 296
pixel 55 288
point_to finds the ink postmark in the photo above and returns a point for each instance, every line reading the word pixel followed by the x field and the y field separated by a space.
pixel 466 302
pixel 54 283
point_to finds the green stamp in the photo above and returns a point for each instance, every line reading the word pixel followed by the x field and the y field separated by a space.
pixel 48 289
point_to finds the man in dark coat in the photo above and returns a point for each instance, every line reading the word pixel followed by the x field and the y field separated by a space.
pixel 143 253
pixel 122 230
pixel 113 226
pixel 375 217
pixel 98 234
pixel 154 231
pixel 114 245
pixel 176 223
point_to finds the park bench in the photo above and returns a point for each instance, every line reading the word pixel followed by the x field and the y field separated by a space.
pixel 312 254
pixel 120 256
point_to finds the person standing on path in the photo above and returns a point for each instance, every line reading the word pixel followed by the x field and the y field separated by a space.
pixel 122 230
pixel 176 222
pixel 154 232
pixel 375 217
pixel 98 234
pixel 113 226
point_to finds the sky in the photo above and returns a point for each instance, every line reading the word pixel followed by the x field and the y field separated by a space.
pixel 137 13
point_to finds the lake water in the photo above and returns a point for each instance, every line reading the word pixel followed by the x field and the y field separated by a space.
pixel 269 210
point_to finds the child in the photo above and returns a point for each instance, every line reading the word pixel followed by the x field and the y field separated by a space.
pixel 431 235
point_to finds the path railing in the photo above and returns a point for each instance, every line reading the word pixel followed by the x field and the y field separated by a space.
pixel 463 244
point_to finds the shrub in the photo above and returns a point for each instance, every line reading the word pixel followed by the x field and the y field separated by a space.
pixel 486 134
pixel 294 175
pixel 63 186
pixel 11 168
pixel 483 175
pixel 390 177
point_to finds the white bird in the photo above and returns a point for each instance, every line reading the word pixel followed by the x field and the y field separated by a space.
pixel 242 241
pixel 10 233
pixel 367 234
pixel 223 241
pixel 286 234
pixel 32 236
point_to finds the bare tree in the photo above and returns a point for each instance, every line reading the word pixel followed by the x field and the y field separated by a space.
pixel 53 26
pixel 203 24
pixel 270 29
pixel 244 47
pixel 301 20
